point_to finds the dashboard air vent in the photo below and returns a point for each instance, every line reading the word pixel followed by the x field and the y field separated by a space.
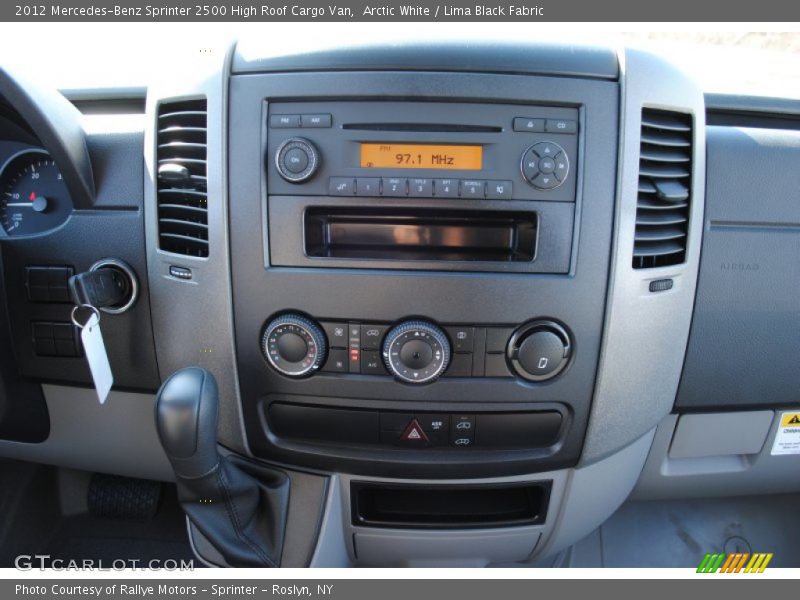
pixel 181 191
pixel 665 177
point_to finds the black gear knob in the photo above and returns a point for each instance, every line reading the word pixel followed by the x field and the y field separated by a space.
pixel 186 419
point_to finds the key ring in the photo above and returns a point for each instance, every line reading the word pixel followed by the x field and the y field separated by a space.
pixel 77 308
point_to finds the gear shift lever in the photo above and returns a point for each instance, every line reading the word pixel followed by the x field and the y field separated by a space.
pixel 240 507
pixel 186 417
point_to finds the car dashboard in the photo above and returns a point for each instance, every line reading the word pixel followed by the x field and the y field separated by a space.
pixel 466 298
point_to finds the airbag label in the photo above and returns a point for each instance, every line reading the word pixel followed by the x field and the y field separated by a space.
pixel 787 440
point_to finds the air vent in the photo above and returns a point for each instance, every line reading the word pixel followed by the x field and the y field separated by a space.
pixel 665 178
pixel 182 196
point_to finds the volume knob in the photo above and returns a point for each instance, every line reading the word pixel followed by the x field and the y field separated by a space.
pixel 416 351
pixel 297 160
pixel 294 345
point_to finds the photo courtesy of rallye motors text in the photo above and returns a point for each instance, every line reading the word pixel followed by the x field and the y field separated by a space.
pixel 123 589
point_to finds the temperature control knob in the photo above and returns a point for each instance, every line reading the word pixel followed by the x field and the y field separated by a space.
pixel 294 345
pixel 416 351
pixel 297 159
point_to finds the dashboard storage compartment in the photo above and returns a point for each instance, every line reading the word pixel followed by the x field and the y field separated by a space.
pixel 420 234
pixel 490 236
pixel 444 507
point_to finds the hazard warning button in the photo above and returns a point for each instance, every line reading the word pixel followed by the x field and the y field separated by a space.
pixel 414 433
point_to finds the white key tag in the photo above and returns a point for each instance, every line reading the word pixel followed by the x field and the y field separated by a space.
pixel 95 351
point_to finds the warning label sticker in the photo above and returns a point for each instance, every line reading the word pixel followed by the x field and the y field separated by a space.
pixel 787 440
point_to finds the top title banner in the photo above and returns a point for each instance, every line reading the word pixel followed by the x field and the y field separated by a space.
pixel 417 10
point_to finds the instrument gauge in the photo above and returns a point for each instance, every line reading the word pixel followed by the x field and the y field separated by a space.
pixel 33 195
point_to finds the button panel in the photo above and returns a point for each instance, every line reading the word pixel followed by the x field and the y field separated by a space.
pixel 304 121
pixel 356 348
pixel 61 340
pixel 545 165
pixel 423 187
pixel 453 431
pixel 338 128
pixel 48 284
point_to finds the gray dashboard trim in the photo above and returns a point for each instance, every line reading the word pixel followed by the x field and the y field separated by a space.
pixel 645 335
pixel 202 336
pixel 721 475
pixel 783 107
pixel 581 499
pixel 257 56
pixel 593 493
pixel 118 437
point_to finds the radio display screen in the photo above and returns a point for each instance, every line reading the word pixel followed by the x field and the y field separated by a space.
pixel 421 156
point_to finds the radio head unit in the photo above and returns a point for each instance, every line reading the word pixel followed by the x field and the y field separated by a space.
pixel 422 150
pixel 421 185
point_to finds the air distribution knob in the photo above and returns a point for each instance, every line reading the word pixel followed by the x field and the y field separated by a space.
pixel 416 351
pixel 294 345
pixel 539 350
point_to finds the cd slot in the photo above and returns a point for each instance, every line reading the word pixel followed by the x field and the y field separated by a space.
pixel 425 127
pixel 396 233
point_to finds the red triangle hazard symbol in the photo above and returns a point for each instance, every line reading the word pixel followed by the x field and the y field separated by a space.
pixel 414 433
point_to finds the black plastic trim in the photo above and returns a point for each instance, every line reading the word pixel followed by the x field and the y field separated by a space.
pixel 413 506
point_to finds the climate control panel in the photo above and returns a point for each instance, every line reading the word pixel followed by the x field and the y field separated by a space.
pixel 415 351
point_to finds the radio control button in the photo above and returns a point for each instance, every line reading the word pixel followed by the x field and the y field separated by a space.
pixel 547 165
pixel 295 160
pixel 561 126
pixel 530 165
pixel 445 188
pixel 393 186
pixel 341 186
pixel 473 188
pixel 546 181
pixel 546 149
pixel 498 190
pixel 312 121
pixel 526 124
pixel 284 121
pixel 562 166
pixel 420 188
pixel 368 186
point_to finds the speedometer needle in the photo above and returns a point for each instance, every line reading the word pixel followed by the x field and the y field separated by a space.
pixel 39 204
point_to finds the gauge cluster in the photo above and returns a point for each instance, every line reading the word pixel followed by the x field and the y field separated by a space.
pixel 33 194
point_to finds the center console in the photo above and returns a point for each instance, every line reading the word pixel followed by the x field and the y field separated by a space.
pixel 420 267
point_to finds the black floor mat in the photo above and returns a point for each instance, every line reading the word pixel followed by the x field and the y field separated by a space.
pixel 32 524
pixel 160 538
